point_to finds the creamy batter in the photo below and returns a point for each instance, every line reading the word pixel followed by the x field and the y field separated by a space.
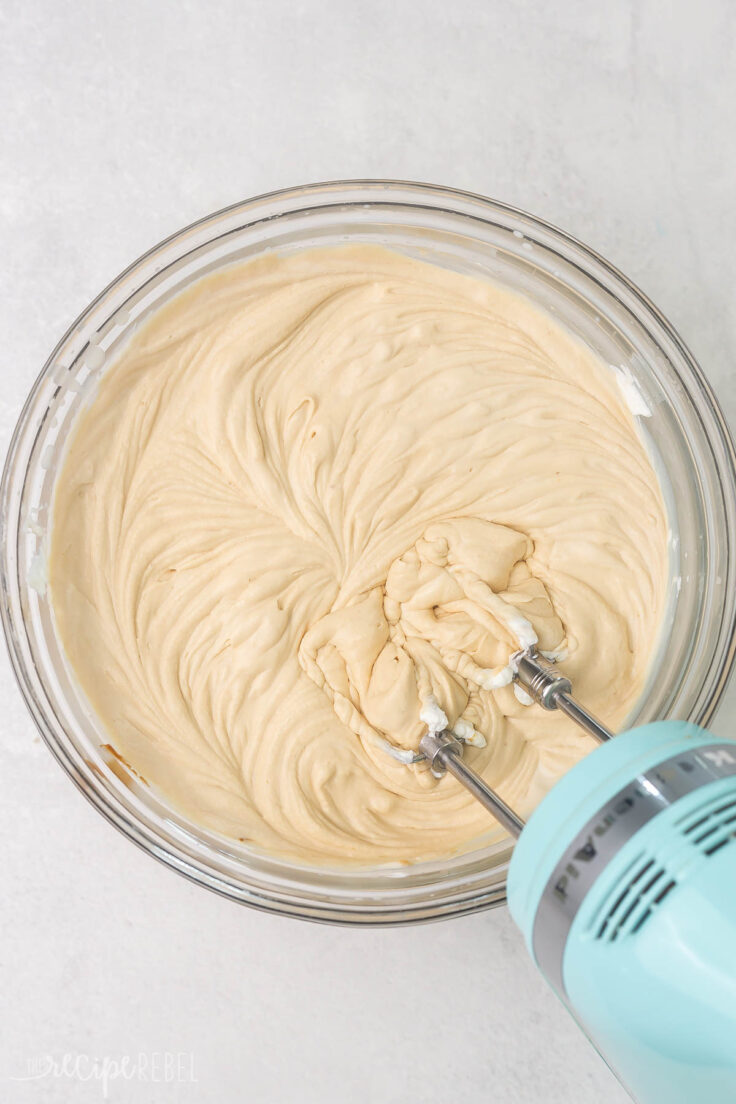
pixel 317 497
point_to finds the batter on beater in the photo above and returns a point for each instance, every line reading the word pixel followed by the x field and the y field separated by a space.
pixel 316 493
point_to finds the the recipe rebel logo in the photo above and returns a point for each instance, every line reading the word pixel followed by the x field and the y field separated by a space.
pixel 158 1067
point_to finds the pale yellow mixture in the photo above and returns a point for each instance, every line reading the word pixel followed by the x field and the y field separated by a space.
pixel 315 491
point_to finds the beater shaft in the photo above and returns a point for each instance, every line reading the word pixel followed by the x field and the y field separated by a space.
pixel 444 752
pixel 550 690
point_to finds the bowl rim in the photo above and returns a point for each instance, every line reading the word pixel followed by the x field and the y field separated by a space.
pixel 470 899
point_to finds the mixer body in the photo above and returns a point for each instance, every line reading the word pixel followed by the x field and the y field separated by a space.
pixel 624 885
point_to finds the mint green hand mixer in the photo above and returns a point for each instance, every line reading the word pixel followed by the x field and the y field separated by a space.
pixel 623 883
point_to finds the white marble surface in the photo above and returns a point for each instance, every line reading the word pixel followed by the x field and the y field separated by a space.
pixel 121 123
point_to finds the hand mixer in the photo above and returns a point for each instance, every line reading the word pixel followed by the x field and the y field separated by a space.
pixel 623 883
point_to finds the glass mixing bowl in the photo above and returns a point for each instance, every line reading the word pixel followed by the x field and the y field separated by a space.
pixel 684 430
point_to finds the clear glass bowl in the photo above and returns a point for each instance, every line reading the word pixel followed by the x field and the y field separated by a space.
pixel 686 435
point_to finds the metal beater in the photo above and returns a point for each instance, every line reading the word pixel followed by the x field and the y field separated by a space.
pixel 544 683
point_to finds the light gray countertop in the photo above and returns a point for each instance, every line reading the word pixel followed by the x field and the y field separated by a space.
pixel 123 122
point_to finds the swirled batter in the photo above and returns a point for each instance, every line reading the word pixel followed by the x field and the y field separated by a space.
pixel 314 493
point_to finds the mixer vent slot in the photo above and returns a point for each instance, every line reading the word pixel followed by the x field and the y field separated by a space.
pixel 647 881
pixel 648 885
pixel 713 825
